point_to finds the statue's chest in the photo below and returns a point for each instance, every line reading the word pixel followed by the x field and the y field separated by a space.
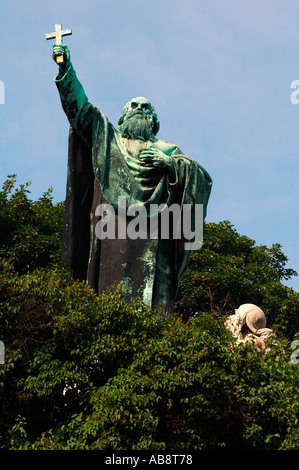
pixel 134 147
pixel 145 176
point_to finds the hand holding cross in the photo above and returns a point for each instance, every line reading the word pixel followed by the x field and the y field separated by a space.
pixel 58 34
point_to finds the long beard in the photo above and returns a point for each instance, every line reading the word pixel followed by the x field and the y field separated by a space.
pixel 137 127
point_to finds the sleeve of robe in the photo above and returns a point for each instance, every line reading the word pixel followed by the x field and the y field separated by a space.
pixel 80 177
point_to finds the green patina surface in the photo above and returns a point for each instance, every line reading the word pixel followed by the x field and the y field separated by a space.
pixel 104 164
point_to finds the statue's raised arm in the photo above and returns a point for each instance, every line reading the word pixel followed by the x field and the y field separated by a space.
pixel 73 98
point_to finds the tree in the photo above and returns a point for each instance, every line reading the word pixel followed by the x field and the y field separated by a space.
pixel 88 372
pixel 230 270
pixel 30 234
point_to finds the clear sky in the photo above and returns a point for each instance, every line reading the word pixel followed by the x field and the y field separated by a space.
pixel 218 73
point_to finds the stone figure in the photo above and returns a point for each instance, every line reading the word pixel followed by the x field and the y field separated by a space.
pixel 249 324
pixel 105 164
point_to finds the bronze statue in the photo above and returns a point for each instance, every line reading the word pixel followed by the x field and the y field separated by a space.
pixel 104 165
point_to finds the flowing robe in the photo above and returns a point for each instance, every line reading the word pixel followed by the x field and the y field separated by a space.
pixel 102 166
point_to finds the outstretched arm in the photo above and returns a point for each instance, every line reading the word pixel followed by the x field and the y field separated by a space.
pixel 74 101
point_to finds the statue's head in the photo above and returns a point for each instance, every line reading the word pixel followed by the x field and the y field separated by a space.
pixel 139 120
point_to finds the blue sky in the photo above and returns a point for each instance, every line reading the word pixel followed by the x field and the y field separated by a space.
pixel 218 73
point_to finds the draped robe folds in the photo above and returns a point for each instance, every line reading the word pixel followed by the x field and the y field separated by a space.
pixel 101 168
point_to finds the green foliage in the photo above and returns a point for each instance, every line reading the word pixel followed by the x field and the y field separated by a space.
pixel 88 372
pixel 62 342
pixel 231 270
pixel 30 233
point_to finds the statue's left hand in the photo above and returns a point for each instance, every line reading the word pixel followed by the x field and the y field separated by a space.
pixel 152 156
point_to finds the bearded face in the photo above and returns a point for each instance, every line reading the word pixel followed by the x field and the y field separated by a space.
pixel 138 120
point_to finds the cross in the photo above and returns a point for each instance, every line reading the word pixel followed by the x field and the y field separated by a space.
pixel 58 34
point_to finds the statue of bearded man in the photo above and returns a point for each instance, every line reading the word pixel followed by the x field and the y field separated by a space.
pixel 104 165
